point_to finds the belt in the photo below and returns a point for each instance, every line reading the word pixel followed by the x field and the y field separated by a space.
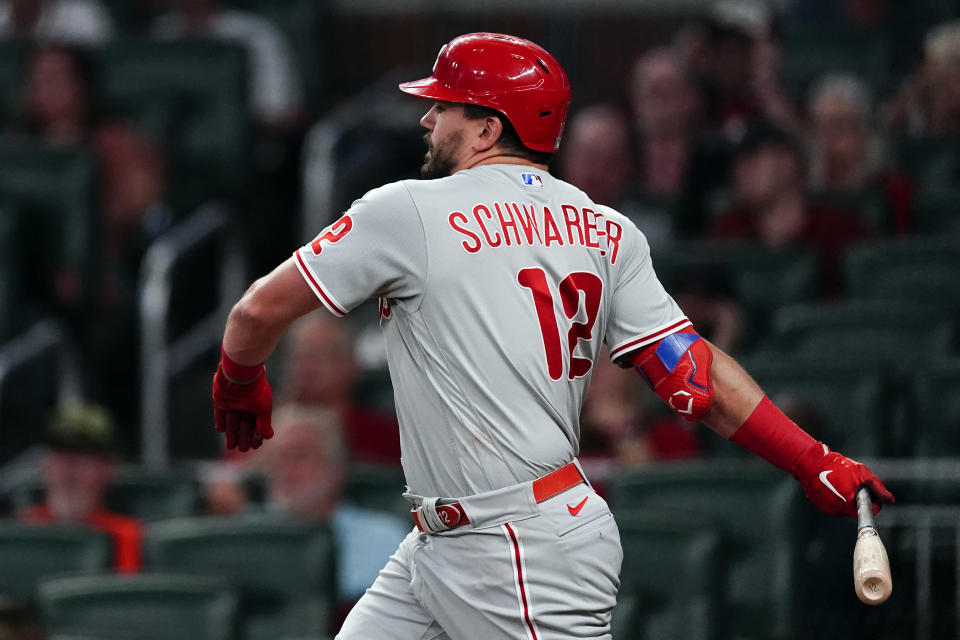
pixel 453 515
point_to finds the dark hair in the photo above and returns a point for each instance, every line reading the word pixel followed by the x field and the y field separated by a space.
pixel 86 72
pixel 509 138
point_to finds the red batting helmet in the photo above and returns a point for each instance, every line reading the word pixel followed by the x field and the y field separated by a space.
pixel 514 76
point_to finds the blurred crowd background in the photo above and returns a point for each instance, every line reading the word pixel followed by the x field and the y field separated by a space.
pixel 794 164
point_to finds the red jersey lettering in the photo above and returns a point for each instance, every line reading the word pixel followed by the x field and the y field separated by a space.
pixel 551 232
pixel 476 214
pixel 456 217
pixel 572 216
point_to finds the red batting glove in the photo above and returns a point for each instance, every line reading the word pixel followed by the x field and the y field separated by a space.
pixel 242 404
pixel 831 481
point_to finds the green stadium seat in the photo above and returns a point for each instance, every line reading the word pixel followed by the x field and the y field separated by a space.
pixel 145 606
pixel 763 279
pixel 670 578
pixel 285 571
pixel 55 191
pixel 865 331
pixel 937 409
pixel 377 488
pixel 13 56
pixel 759 512
pixel 29 553
pixel 915 156
pixel 139 493
pixel 839 402
pixel 302 21
pixel 154 495
pixel 925 270
pixel 193 96
pixel 808 52
pixel 937 213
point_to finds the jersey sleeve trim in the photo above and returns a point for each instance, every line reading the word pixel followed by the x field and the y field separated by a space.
pixel 328 300
pixel 652 336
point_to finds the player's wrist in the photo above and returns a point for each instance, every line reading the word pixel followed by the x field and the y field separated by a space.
pixel 770 434
pixel 237 373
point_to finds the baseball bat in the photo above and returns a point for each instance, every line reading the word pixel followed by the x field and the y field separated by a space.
pixel 871 568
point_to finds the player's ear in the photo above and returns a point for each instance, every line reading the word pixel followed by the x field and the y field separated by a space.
pixel 489 133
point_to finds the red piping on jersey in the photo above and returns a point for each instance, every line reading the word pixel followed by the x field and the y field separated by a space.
pixel 521 582
pixel 324 297
pixel 656 335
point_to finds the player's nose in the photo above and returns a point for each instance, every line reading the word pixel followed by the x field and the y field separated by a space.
pixel 429 119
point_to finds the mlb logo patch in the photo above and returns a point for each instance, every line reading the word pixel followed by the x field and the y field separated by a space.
pixel 531 180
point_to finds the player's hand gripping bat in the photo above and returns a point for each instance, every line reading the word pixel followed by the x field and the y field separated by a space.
pixel 871 569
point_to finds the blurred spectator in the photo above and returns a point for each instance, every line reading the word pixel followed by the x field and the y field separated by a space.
pixel 321 371
pixel 596 154
pixel 708 298
pixel 19 621
pixel 929 102
pixel 617 429
pixel 75 21
pixel 736 56
pixel 771 205
pixel 305 465
pixel 666 114
pixel 846 153
pixel 276 92
pixel 60 108
pixel 78 467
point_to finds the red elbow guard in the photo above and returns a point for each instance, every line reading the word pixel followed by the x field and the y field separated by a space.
pixel 677 368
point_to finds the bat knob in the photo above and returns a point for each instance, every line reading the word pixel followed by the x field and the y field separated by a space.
pixel 871 569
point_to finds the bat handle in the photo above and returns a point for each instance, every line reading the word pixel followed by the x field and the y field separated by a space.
pixel 871 568
pixel 864 509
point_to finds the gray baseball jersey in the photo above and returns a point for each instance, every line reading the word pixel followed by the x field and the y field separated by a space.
pixel 498 286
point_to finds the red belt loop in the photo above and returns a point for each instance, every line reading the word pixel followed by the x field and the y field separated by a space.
pixel 544 488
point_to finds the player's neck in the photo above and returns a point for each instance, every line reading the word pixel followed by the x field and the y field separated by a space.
pixel 499 158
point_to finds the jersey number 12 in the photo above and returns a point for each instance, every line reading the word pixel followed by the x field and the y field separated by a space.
pixel 535 279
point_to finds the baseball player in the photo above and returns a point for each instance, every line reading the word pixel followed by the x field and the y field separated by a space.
pixel 498 284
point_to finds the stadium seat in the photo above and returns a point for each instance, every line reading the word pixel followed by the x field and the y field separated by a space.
pixel 761 519
pixel 808 52
pixel 378 489
pixel 154 495
pixel 763 279
pixel 192 95
pixel 937 213
pixel 925 270
pixel 13 55
pixel 302 22
pixel 670 578
pixel 866 331
pixel 839 402
pixel 937 410
pixel 915 156
pixel 135 492
pixel 31 552
pixel 55 191
pixel 284 570
pixel 145 606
